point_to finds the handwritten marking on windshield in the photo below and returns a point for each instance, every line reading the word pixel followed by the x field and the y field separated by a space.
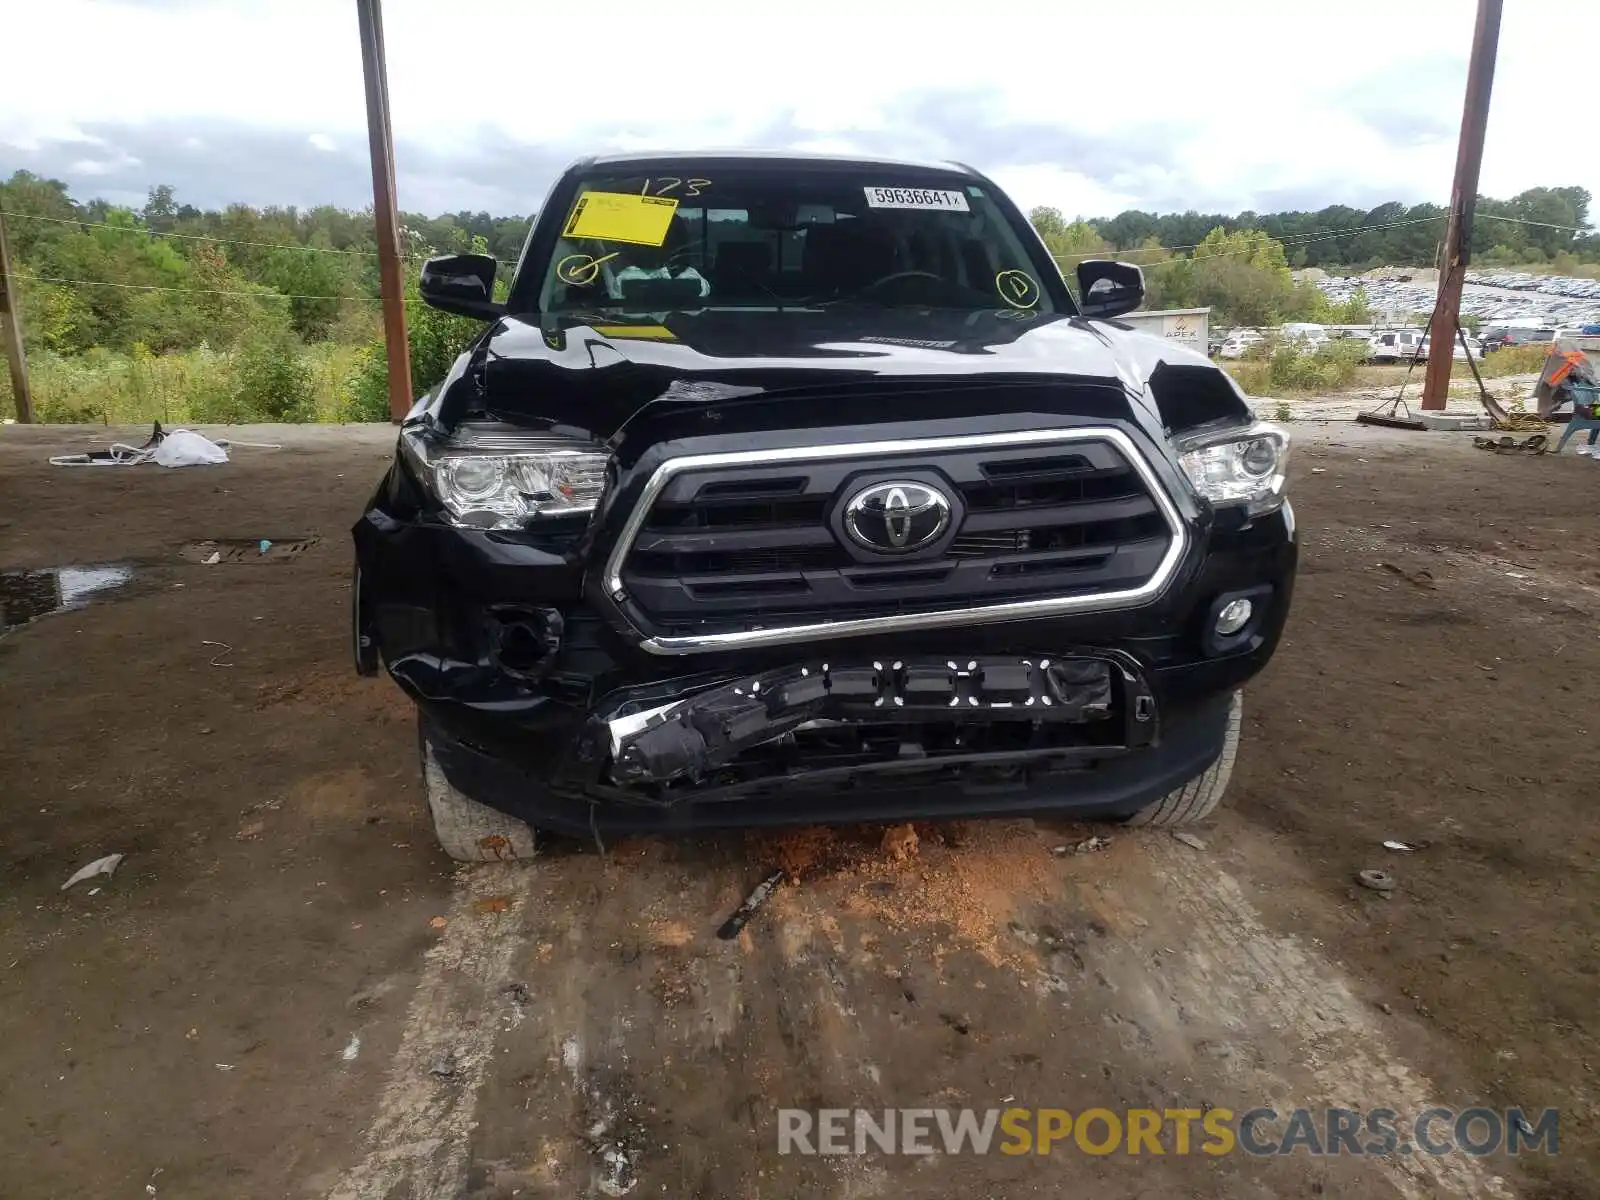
pixel 582 269
pixel 1018 288
pixel 667 184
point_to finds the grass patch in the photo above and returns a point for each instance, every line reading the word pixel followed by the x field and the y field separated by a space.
pixel 1285 370
pixel 269 382
pixel 1513 360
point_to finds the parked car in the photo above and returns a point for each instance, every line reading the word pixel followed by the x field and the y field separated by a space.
pixel 1395 345
pixel 838 507
pixel 1499 337
pixel 1303 335
pixel 1457 350
pixel 1239 343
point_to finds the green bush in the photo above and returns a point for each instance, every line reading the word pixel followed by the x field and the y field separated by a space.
pixel 436 339
pixel 1285 367
pixel 367 392
pixel 272 381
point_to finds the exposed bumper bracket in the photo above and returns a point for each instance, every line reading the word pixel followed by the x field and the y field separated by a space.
pixel 689 737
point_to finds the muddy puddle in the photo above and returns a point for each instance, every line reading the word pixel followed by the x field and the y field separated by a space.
pixel 28 595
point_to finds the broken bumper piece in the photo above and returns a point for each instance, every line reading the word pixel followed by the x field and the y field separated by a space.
pixel 1099 703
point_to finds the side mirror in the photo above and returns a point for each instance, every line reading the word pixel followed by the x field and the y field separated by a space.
pixel 1109 289
pixel 461 284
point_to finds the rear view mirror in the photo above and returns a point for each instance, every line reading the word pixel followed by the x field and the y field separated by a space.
pixel 461 284
pixel 1108 289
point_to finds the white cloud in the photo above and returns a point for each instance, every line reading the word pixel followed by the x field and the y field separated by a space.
pixel 1217 106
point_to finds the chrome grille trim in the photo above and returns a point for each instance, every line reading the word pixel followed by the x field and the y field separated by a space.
pixel 1045 606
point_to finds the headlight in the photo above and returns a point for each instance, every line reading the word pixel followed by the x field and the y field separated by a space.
pixel 503 480
pixel 1239 468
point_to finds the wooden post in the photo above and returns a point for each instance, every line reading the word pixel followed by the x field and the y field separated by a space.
pixel 1463 199
pixel 384 209
pixel 11 334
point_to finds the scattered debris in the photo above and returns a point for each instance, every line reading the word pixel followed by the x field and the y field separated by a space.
pixel 250 832
pixel 352 1048
pixel 439 922
pixel 900 842
pixel 731 927
pixel 247 550
pixel 616 1172
pixel 100 866
pixel 1378 881
pixel 492 904
pixel 1189 839
pixel 517 993
pixel 444 1067
pixel 1090 845
pixel 1422 578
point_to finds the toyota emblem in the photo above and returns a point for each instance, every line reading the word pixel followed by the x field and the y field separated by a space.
pixel 897 517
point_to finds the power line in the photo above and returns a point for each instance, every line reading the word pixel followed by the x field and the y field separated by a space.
pixel 1288 239
pixel 191 237
pixel 153 287
pixel 1536 224
pixel 1304 239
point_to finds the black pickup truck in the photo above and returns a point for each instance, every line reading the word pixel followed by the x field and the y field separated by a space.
pixel 792 489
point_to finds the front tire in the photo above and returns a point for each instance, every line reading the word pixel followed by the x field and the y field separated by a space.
pixel 1196 800
pixel 467 830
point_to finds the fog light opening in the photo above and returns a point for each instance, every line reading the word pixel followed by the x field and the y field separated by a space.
pixel 1234 616
pixel 527 640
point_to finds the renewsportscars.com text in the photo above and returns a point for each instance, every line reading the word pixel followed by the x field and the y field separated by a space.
pixel 1214 1131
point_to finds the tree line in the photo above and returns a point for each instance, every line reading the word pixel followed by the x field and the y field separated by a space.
pixel 265 286
pixel 1242 266
pixel 1539 226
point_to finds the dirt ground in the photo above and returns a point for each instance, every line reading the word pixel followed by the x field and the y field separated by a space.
pixel 287 991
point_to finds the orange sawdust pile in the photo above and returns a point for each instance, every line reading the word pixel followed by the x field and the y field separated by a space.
pixel 963 881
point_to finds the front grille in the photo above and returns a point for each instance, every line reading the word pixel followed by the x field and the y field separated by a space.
pixel 741 543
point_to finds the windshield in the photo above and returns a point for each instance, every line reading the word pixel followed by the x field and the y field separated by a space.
pixel 764 239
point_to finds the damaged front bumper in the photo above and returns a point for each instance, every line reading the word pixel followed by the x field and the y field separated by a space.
pixel 539 700
pixel 925 712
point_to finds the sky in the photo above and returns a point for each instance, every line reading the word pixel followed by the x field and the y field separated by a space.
pixel 1213 105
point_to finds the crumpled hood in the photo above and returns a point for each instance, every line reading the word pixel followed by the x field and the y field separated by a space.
pixel 595 373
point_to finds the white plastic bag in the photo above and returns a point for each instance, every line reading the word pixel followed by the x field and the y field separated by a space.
pixel 185 448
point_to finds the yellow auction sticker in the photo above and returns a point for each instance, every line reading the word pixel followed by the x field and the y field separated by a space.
pixel 620 217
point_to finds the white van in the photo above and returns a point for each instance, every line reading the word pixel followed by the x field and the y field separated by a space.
pixel 1395 345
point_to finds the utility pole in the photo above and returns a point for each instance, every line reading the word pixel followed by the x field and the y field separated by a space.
pixel 1463 199
pixel 381 145
pixel 11 333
